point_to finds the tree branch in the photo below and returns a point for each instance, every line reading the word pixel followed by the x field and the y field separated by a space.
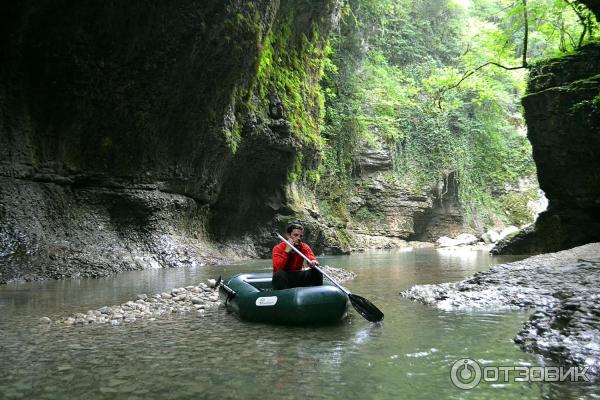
pixel 468 74
pixel 526 33
pixel 524 63
pixel 582 20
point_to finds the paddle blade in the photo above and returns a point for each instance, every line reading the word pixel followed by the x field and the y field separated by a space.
pixel 365 308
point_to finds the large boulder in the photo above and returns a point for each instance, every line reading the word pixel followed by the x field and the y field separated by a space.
pixel 464 239
pixel 491 236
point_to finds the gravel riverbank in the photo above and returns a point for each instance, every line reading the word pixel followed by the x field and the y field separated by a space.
pixel 190 299
pixel 564 289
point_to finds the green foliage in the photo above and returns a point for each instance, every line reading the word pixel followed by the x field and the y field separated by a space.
pixel 313 177
pixel 515 206
pixel 386 81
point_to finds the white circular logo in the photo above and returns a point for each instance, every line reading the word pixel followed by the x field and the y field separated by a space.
pixel 465 373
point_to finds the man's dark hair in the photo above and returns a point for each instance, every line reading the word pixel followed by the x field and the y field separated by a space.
pixel 293 226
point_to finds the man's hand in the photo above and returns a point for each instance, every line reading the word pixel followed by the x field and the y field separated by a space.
pixel 313 263
pixel 294 242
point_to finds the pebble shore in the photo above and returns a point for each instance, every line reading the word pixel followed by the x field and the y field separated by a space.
pixel 179 300
pixel 190 299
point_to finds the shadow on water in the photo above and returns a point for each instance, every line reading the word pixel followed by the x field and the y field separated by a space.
pixel 409 355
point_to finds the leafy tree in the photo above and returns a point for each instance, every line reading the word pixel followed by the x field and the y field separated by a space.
pixel 386 84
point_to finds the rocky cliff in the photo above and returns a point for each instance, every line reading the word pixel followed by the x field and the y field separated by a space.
pixel 382 206
pixel 562 110
pixel 138 134
pixel 378 210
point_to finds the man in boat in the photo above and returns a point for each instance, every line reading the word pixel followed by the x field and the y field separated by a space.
pixel 287 264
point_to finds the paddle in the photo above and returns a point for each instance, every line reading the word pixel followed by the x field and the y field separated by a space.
pixel 363 306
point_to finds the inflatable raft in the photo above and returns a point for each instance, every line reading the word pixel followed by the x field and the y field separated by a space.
pixel 252 297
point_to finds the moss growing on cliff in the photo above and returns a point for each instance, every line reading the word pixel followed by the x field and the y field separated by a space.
pixel 366 215
pixel 343 239
pixel 287 65
pixel 291 67
pixel 333 209
pixel 289 70
pixel 242 32
pixel 296 171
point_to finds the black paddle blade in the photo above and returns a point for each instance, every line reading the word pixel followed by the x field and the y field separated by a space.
pixel 365 308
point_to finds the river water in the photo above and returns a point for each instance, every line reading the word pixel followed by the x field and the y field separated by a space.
pixel 217 356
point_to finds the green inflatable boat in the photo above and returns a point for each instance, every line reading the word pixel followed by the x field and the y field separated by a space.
pixel 252 297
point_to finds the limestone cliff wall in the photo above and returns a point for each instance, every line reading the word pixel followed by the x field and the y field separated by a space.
pixel 383 211
pixel 133 134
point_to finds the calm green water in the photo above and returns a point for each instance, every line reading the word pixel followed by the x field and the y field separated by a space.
pixel 217 356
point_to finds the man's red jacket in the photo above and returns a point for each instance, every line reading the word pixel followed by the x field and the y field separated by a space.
pixel 291 262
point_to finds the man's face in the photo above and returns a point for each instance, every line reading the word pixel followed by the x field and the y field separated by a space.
pixel 296 236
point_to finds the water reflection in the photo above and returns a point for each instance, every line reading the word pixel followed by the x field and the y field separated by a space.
pixel 367 333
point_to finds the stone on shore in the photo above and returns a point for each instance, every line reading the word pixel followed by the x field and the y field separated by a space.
pixel 491 236
pixel 563 287
pixel 464 239
pixel 198 298
pixel 177 300
pixel 339 274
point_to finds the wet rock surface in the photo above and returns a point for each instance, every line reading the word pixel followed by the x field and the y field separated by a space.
pixel 117 158
pixel 563 287
pixel 569 331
